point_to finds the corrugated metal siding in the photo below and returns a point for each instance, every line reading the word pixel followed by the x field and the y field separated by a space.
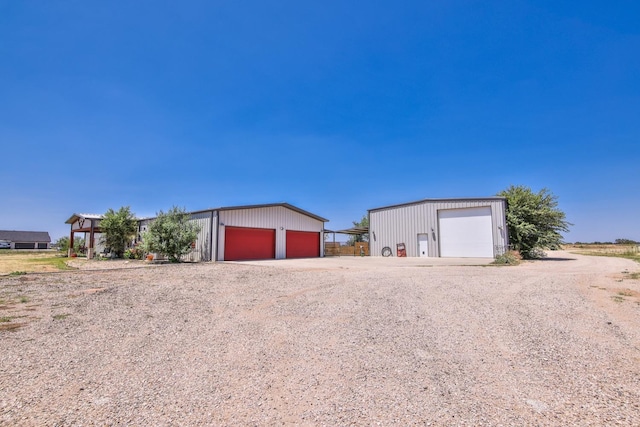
pixel 268 217
pixel 210 240
pixel 202 251
pixel 403 224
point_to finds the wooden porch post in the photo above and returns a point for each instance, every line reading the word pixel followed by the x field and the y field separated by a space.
pixel 70 251
pixel 91 241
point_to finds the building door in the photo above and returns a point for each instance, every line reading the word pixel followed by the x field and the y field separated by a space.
pixel 423 241
pixel 243 243
pixel 303 244
pixel 466 232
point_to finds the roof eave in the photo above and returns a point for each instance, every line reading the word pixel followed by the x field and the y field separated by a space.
pixel 417 202
pixel 272 205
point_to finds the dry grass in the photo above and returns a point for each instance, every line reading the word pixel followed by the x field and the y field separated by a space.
pixel 31 262
pixel 10 326
pixel 622 251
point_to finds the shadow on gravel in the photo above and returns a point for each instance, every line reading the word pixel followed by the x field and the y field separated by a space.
pixel 557 259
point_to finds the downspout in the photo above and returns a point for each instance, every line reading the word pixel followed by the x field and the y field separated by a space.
pixel 211 238
pixel 217 235
pixel 505 207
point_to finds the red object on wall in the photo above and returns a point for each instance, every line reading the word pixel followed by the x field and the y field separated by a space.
pixel 303 244
pixel 402 250
pixel 242 243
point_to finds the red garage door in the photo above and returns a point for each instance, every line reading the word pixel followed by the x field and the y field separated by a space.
pixel 241 243
pixel 303 244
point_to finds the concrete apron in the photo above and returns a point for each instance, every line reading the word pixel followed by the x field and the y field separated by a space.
pixel 366 262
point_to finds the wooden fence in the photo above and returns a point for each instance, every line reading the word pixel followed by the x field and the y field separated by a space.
pixel 337 249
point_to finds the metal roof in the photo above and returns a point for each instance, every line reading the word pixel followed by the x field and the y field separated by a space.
pixel 268 205
pixel 25 236
pixel 76 216
pixel 356 231
pixel 459 199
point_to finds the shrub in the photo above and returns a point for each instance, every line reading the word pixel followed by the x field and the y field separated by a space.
pixel 533 220
pixel 118 228
pixel 508 258
pixel 136 252
pixel 171 234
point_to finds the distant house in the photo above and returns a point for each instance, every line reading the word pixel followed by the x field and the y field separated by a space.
pixel 26 239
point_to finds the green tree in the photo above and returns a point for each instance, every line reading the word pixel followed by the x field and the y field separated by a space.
pixel 171 234
pixel 534 220
pixel 118 229
pixel 363 223
pixel 63 244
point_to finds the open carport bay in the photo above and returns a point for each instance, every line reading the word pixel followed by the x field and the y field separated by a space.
pixel 544 343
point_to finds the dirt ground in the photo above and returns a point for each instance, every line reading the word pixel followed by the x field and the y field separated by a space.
pixel 340 341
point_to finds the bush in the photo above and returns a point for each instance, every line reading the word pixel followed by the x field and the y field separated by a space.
pixel 118 229
pixel 171 234
pixel 135 252
pixel 533 220
pixel 63 244
pixel 508 258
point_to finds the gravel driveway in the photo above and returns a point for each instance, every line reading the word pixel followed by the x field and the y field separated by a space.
pixel 553 342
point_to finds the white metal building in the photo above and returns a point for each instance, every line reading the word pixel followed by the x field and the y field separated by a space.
pixel 271 231
pixel 471 227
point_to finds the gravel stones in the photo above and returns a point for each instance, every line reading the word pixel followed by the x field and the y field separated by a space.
pixel 239 344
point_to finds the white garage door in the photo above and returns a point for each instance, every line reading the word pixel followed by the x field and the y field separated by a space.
pixel 466 233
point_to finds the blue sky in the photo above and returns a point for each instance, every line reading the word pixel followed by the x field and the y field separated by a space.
pixel 336 107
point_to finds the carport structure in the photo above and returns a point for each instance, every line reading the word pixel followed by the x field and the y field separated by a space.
pixel 89 224
pixel 353 231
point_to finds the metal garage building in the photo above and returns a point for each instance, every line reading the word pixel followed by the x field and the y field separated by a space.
pixel 271 231
pixel 471 227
